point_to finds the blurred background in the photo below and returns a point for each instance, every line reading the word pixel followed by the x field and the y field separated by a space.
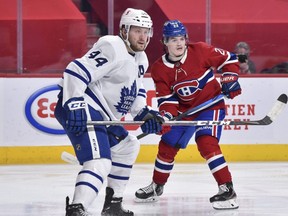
pixel 42 37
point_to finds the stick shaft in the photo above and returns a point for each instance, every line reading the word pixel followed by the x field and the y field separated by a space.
pixel 180 123
pixel 268 119
pixel 192 111
pixel 200 107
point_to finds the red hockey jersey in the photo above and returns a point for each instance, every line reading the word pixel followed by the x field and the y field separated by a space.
pixel 191 81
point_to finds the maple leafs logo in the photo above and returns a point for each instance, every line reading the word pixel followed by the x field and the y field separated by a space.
pixel 126 99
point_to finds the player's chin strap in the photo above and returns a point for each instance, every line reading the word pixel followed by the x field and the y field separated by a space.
pixel 128 44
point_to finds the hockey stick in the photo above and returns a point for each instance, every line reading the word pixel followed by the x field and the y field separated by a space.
pixel 69 158
pixel 267 120
pixel 194 110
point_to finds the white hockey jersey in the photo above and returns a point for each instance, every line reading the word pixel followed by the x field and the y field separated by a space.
pixel 109 78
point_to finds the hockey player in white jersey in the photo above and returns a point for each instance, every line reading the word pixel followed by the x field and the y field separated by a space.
pixel 106 84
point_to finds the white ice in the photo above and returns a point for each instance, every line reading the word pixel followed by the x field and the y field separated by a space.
pixel 40 190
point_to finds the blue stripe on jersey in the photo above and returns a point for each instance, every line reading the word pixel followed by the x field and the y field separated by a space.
pixel 121 165
pixel 205 79
pixel 142 93
pixel 233 57
pixel 173 99
pixel 87 184
pixel 162 166
pixel 76 75
pixel 91 173
pixel 84 69
pixel 142 90
pixel 93 96
pixel 217 162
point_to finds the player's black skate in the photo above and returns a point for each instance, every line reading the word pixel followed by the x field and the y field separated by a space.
pixel 75 209
pixel 113 206
pixel 225 198
pixel 150 193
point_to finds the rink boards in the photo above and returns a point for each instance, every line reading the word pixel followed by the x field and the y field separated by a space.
pixel 30 133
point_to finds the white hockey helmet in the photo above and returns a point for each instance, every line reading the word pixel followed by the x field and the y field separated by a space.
pixel 135 17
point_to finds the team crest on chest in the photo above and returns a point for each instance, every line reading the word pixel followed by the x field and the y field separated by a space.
pixel 127 98
pixel 187 90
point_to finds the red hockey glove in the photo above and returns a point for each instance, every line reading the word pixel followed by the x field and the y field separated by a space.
pixel 166 128
pixel 230 85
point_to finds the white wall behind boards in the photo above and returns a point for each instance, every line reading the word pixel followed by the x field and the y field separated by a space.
pixel 27 104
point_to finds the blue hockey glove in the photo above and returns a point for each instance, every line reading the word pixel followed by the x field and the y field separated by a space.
pixel 166 128
pixel 116 134
pixel 153 120
pixel 230 85
pixel 76 118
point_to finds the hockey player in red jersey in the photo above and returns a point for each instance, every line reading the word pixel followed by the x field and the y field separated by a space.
pixel 184 79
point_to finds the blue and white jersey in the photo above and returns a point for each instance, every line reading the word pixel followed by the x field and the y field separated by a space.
pixel 109 78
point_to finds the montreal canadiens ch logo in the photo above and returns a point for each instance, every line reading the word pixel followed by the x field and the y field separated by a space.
pixel 187 90
pixel 39 110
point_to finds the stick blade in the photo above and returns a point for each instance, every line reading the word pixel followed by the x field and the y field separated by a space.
pixel 69 158
pixel 278 107
pixel 283 98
